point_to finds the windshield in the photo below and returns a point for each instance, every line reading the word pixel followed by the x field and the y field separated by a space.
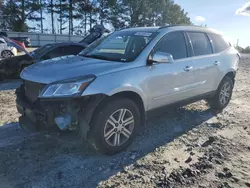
pixel 40 51
pixel 123 46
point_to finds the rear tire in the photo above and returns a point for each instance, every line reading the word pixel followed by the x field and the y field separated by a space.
pixel 223 94
pixel 6 54
pixel 115 126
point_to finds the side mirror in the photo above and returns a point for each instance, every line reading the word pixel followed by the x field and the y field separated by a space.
pixel 162 57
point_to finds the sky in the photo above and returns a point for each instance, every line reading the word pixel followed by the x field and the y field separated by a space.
pixel 231 17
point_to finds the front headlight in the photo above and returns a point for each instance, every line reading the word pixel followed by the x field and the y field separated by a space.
pixel 67 88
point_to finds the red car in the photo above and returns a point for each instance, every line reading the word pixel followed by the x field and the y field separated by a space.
pixel 21 44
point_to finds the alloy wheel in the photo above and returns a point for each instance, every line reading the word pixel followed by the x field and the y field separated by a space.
pixel 6 54
pixel 119 127
pixel 225 93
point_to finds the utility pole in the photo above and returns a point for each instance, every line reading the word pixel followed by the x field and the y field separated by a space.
pixel 11 17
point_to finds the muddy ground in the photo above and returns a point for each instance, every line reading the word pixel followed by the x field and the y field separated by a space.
pixel 185 147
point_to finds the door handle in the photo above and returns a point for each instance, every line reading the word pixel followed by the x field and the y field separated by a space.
pixel 188 68
pixel 216 63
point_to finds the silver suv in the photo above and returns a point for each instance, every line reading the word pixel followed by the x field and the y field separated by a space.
pixel 105 92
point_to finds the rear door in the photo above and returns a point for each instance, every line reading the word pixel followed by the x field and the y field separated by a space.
pixel 204 62
pixel 220 49
pixel 171 82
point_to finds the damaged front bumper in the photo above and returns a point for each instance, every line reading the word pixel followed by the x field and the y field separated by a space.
pixel 56 114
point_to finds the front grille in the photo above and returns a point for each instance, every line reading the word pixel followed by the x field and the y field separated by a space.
pixel 32 90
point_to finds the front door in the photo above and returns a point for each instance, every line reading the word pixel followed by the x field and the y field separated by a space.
pixel 171 82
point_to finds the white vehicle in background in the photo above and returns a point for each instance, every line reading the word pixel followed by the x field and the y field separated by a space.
pixel 6 51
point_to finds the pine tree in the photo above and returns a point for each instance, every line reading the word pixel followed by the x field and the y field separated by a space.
pixel 17 13
pixel 120 13
pixel 86 10
pixel 41 14
pixel 1 14
pixel 50 5
pixel 71 9
pixel 160 12
pixel 61 8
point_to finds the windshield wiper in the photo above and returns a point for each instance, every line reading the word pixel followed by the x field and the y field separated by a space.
pixel 98 57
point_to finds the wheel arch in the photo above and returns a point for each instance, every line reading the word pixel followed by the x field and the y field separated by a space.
pixel 230 74
pixel 135 97
pixel 214 101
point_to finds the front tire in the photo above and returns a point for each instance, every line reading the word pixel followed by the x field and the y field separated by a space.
pixel 115 126
pixel 223 94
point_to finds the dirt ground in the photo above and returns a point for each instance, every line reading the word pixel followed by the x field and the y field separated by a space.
pixel 186 147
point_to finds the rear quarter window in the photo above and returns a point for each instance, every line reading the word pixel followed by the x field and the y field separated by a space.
pixel 218 42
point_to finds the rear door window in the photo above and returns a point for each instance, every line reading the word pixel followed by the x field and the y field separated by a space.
pixel 201 44
pixel 174 44
pixel 219 43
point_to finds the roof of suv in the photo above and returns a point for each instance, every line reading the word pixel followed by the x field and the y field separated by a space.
pixel 190 28
pixel 174 27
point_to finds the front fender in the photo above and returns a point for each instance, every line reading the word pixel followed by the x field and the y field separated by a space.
pixel 134 89
pixel 112 84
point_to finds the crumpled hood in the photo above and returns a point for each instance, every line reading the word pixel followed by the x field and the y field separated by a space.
pixel 67 67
